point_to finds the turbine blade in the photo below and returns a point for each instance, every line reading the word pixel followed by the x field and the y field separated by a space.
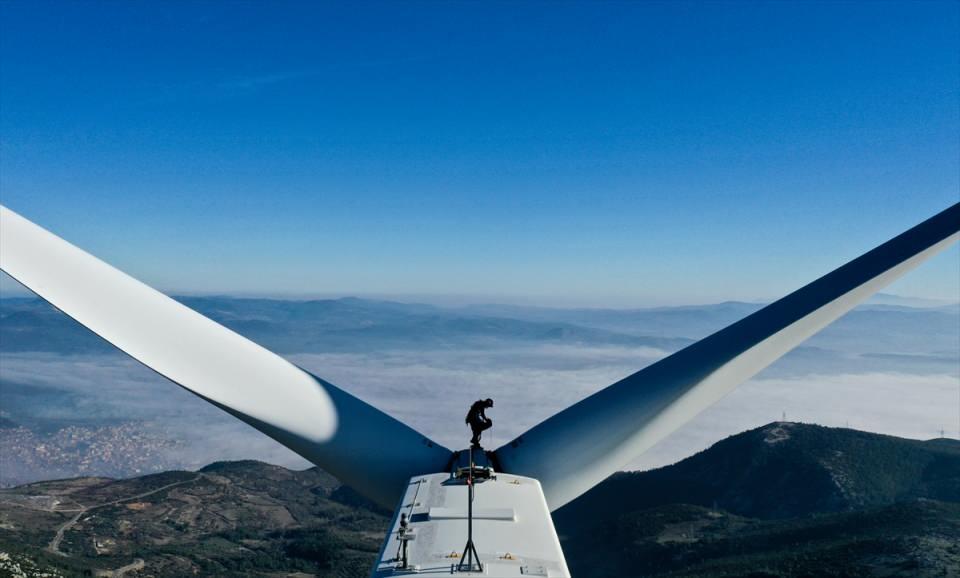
pixel 578 447
pixel 365 448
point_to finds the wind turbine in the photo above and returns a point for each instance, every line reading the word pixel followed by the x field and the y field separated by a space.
pixel 432 488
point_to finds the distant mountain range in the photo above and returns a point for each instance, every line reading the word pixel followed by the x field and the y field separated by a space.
pixel 339 325
pixel 352 324
pixel 786 499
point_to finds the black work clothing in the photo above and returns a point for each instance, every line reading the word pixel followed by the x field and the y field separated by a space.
pixel 478 428
pixel 478 421
pixel 476 412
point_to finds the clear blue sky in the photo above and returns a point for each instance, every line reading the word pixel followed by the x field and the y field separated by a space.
pixel 621 154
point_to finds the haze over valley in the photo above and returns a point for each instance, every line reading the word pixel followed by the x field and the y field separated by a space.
pixel 71 405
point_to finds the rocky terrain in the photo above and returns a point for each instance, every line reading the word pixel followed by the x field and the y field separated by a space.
pixel 783 500
pixel 227 519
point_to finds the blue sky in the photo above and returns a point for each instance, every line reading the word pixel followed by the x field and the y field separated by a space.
pixel 604 154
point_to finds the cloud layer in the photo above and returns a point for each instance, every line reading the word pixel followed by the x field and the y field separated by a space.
pixel 431 390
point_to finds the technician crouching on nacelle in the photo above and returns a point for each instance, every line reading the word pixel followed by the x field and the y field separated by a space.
pixel 478 420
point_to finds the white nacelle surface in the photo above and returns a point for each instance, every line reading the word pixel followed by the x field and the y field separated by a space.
pixel 512 529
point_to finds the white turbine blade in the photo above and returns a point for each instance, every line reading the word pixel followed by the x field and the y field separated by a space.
pixel 577 448
pixel 359 444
